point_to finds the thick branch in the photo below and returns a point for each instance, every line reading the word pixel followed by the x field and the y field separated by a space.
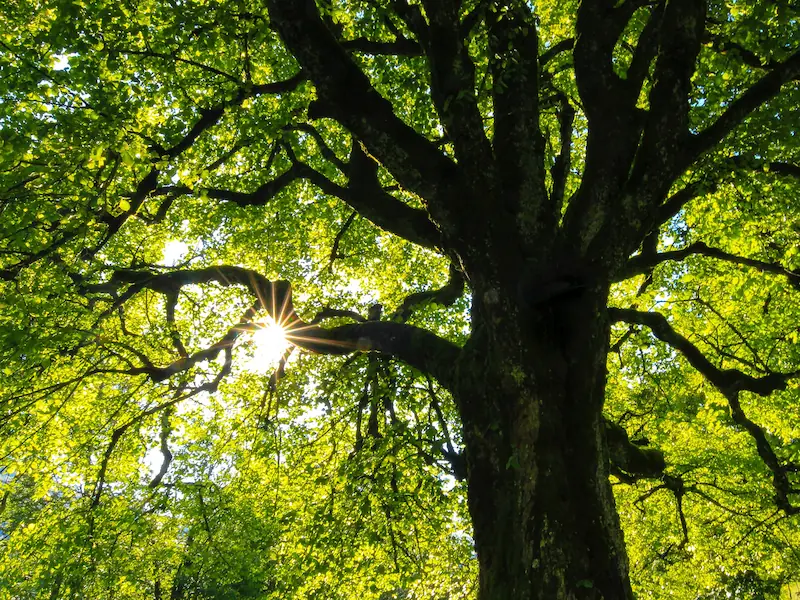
pixel 600 23
pixel 646 49
pixel 208 118
pixel 676 202
pixel 417 347
pixel 445 296
pixel 453 87
pixel 731 383
pixel 363 193
pixel 679 199
pixel 741 108
pixel 560 169
pixel 667 128
pixel 345 94
pixel 726 380
pixel 615 126
pixel 631 461
pixel 166 430
pixel 564 45
pixel 518 141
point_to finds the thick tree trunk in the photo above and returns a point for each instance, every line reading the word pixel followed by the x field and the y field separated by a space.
pixel 530 391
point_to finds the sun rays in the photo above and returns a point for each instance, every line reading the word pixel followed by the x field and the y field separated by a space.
pixel 269 344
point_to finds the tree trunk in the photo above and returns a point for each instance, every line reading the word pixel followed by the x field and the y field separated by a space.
pixel 530 391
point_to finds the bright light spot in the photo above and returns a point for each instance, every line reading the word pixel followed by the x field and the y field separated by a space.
pixel 153 460
pixel 174 251
pixel 60 62
pixel 269 343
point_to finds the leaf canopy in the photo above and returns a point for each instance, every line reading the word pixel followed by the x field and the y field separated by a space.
pixel 145 452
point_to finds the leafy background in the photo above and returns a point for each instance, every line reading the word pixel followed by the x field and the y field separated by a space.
pixel 273 491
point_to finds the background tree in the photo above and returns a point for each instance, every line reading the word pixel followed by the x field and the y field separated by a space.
pixel 538 269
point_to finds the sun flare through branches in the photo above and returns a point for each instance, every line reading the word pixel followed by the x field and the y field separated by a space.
pixel 269 343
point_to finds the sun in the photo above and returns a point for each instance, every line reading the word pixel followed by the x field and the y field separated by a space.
pixel 269 343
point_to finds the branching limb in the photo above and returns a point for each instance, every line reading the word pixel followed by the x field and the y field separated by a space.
pixel 173 57
pixel 724 379
pixel 679 199
pixel 324 149
pixel 646 49
pixel 642 263
pixel 445 296
pixel 615 124
pixel 453 87
pixel 756 96
pixel 630 462
pixel 560 169
pixel 734 49
pixel 172 300
pixel 365 195
pixel 166 430
pixel 458 463
pixel 345 94
pixel 548 55
pixel 599 25
pixel 417 347
pixel 667 126
pixel 208 118
pixel 335 253
pixel 730 382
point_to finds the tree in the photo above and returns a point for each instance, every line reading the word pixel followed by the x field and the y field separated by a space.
pixel 551 250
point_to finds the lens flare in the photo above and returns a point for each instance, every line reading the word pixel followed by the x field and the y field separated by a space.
pixel 269 343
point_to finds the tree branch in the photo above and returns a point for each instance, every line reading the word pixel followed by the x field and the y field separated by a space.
pixel 445 296
pixel 166 430
pixel 630 461
pixel 345 94
pixel 417 347
pixel 615 126
pixel 560 169
pixel 741 108
pixel 748 57
pixel 599 25
pixel 679 199
pixel 646 49
pixel 667 123
pixel 564 45
pixel 518 141
pixel 642 263
pixel 730 382
pixel 365 195
pixel 725 380
pixel 453 88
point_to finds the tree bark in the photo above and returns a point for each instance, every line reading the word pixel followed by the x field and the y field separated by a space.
pixel 530 390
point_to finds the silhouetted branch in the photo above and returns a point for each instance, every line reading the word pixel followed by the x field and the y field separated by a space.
pixel 417 347
pixel 644 262
pixel 445 296
pixel 741 108
pixel 730 382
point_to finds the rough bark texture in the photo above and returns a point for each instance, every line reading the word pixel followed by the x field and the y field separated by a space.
pixel 545 524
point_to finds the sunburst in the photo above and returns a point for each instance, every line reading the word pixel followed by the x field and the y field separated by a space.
pixel 269 343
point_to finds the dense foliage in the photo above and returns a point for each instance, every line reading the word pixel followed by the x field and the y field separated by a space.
pixel 164 163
